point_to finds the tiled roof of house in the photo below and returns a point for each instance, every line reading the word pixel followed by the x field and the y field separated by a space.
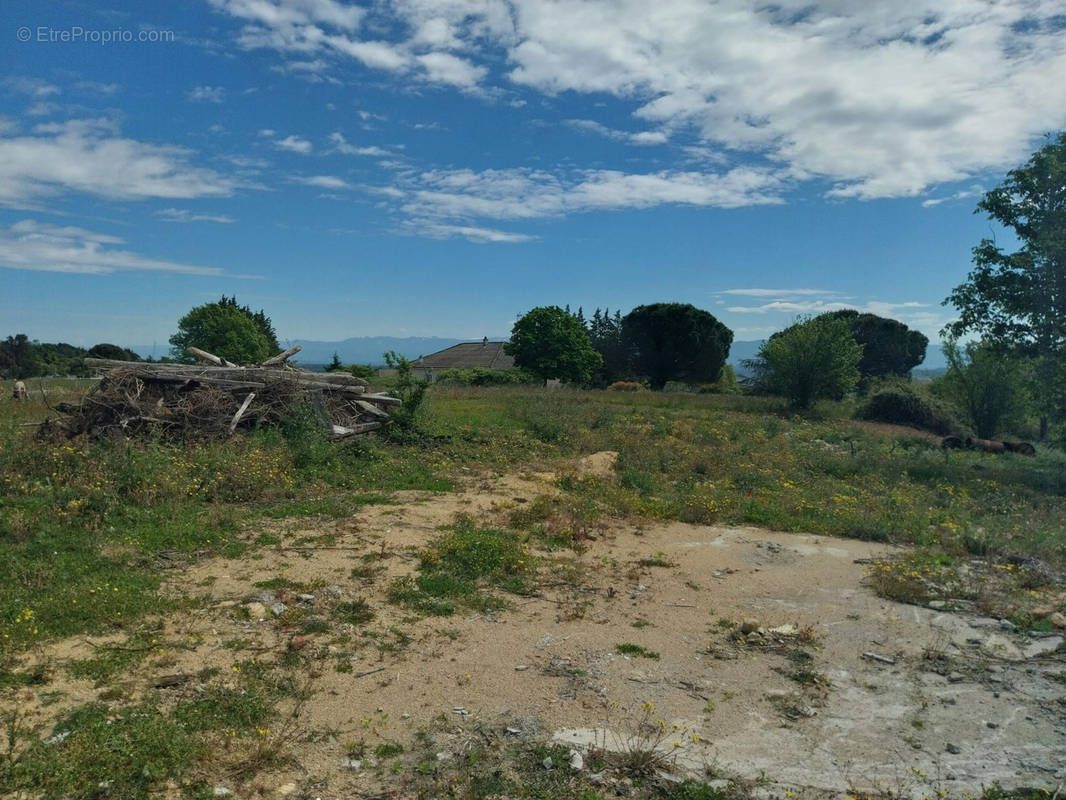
pixel 488 355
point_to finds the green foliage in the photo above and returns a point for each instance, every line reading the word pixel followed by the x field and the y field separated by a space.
pixel 727 383
pixel 259 318
pixel 550 343
pixel 888 346
pixel 455 568
pixel 902 401
pixel 479 376
pixel 223 330
pixel 605 334
pixel 129 752
pixel 112 351
pixel 18 358
pixel 635 650
pixel 676 342
pixel 364 371
pixel 988 386
pixel 335 364
pixel 410 390
pixel 813 359
pixel 1017 301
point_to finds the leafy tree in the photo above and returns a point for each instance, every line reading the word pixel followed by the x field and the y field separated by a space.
pixel 605 335
pixel 1016 301
pixel 814 358
pixel 261 320
pixel 889 346
pixel 113 352
pixel 676 342
pixel 985 384
pixel 18 357
pixel 552 343
pixel 411 390
pixel 224 330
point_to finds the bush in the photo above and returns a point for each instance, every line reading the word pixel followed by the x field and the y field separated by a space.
pixel 364 371
pixel 813 359
pixel 479 376
pixel 625 386
pixel 986 385
pixel 903 402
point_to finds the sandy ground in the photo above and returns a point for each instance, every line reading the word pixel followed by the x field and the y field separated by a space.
pixel 965 703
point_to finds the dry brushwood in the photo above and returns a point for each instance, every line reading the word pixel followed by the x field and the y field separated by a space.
pixel 215 398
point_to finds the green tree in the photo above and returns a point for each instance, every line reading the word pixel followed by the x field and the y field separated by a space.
pixel 19 358
pixel 223 330
pixel 261 320
pixel 335 364
pixel 113 352
pixel 552 343
pixel 1016 301
pixel 605 335
pixel 985 384
pixel 813 359
pixel 676 342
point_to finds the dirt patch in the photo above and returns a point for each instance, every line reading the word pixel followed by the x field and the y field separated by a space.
pixel 756 645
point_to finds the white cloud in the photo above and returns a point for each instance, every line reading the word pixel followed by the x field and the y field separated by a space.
pixel 30 245
pixel 34 87
pixel 756 292
pixel 184 215
pixel 531 194
pixel 455 71
pixel 294 144
pixel 877 99
pixel 207 94
pixel 341 145
pixel 962 194
pixel 89 156
pixel 472 233
pixel 324 182
pixel 643 138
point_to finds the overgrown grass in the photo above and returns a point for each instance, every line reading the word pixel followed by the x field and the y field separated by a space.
pixel 463 567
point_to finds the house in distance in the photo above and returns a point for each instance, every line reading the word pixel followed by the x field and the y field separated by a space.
pixel 467 355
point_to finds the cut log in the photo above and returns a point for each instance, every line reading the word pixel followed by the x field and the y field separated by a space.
pixel 196 352
pixel 383 399
pixel 342 432
pixel 282 357
pixel 371 409
pixel 240 412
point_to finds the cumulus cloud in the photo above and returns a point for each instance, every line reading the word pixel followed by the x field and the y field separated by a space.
pixel 324 182
pixel 89 156
pixel 341 145
pixel 33 87
pixel 878 100
pixel 294 144
pixel 184 215
pixel 639 138
pixel 207 94
pixel 32 245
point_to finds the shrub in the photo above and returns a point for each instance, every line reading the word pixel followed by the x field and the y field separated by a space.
pixel 988 387
pixel 625 386
pixel 364 371
pixel 813 359
pixel 479 376
pixel 903 402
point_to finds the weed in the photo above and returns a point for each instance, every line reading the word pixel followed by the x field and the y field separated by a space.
pixel 630 649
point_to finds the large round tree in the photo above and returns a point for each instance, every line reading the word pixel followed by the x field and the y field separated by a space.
pixel 223 330
pixel 676 342
pixel 551 343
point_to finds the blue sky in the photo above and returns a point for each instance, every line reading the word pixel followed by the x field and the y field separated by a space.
pixel 435 167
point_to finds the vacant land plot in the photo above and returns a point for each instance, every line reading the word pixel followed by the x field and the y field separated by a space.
pixel 533 594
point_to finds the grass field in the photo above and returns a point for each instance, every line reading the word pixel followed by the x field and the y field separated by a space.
pixel 84 527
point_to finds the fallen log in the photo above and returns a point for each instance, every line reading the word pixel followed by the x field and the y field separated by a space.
pixel 282 356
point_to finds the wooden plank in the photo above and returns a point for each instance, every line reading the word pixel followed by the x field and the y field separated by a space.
pixel 383 399
pixel 370 408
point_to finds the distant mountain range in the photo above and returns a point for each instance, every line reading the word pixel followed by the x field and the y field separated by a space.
pixel 370 350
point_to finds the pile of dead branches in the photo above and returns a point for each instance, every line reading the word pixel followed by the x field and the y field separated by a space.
pixel 214 398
